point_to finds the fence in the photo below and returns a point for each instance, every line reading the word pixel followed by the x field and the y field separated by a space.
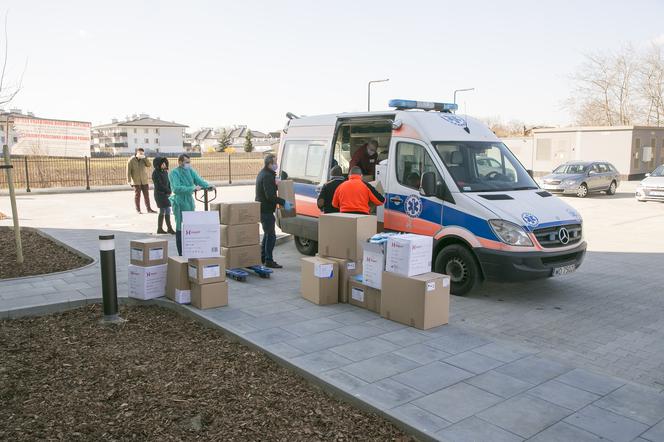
pixel 43 172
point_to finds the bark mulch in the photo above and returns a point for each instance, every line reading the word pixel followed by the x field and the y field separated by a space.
pixel 159 376
pixel 41 255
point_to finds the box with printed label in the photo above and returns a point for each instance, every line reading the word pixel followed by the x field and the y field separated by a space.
pixel 178 277
pixel 147 282
pixel 342 235
pixel 244 256
pixel 245 212
pixel 287 192
pixel 421 301
pixel 319 281
pixel 373 264
pixel 207 270
pixel 200 235
pixel 209 295
pixel 239 235
pixel 347 269
pixel 182 296
pixel 148 252
pixel 364 296
pixel 409 255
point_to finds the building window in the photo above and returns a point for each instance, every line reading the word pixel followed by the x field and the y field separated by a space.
pixel 135 130
pixel 135 140
pixel 156 131
pixel 156 141
pixel 147 141
pixel 15 139
pixel 146 130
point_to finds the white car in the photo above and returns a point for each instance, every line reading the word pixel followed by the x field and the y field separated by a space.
pixel 652 187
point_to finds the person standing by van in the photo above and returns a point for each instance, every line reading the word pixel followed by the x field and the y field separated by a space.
pixel 354 195
pixel 137 177
pixel 162 191
pixel 266 194
pixel 327 192
pixel 366 157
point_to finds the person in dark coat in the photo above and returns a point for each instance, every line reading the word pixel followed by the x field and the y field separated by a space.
pixel 162 190
pixel 266 194
pixel 327 192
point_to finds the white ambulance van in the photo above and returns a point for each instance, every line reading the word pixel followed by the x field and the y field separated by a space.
pixel 444 175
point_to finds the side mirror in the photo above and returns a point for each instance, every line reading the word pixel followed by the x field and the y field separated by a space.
pixel 428 184
pixel 591 172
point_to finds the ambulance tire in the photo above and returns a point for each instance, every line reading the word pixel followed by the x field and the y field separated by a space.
pixel 460 264
pixel 306 246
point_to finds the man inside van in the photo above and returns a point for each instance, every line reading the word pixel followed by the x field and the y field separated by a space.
pixel 328 190
pixel 366 157
pixel 354 195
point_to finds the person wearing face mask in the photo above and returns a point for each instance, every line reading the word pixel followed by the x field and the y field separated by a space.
pixel 365 158
pixel 266 194
pixel 184 182
pixel 137 177
pixel 162 190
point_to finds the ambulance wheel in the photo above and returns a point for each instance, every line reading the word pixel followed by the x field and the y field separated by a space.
pixel 306 246
pixel 460 265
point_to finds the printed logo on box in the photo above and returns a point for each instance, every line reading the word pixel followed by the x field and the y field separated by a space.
pixel 357 294
pixel 431 286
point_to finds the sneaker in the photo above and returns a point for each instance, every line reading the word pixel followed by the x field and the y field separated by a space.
pixel 273 265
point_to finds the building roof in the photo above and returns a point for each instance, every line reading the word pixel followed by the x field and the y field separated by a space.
pixel 594 129
pixel 12 115
pixel 203 134
pixel 241 132
pixel 143 122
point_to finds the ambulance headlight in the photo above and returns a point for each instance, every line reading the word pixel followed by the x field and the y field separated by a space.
pixel 510 233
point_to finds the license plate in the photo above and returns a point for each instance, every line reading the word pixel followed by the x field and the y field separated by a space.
pixel 564 270
pixel 551 187
pixel 657 192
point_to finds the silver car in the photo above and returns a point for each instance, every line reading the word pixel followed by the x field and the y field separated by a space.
pixel 581 178
pixel 652 188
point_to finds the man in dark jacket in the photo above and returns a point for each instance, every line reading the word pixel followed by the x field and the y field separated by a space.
pixel 266 194
pixel 327 192
pixel 162 190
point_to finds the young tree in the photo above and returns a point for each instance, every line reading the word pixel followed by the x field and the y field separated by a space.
pixel 248 145
pixel 224 140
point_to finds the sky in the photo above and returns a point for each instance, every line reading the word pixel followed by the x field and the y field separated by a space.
pixel 220 63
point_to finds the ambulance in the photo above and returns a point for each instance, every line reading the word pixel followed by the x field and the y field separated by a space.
pixel 444 175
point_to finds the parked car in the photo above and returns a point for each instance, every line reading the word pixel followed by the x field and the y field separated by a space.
pixel 581 178
pixel 652 187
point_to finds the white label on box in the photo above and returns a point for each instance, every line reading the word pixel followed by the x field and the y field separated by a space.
pixel 324 270
pixel 211 271
pixel 136 254
pixel 357 294
pixel 431 286
pixel 193 271
pixel 182 296
pixel 156 254
pixel 446 282
pixel 350 265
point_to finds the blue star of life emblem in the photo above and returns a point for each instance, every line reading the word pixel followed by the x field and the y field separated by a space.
pixel 453 119
pixel 413 206
pixel 530 219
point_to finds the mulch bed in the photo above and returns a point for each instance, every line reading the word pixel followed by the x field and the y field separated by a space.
pixel 41 255
pixel 159 376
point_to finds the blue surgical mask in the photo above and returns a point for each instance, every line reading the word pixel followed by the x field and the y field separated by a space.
pixel 186 166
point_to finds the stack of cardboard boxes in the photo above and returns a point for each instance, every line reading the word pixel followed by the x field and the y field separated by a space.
pixel 239 233
pixel 207 277
pixel 147 268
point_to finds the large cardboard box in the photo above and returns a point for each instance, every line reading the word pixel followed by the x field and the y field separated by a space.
pixel 364 296
pixel 239 235
pixel 245 212
pixel 209 295
pixel 373 264
pixel 319 280
pixel 347 269
pixel 342 235
pixel 244 256
pixel 177 281
pixel 286 191
pixel 200 235
pixel 421 301
pixel 147 282
pixel 148 252
pixel 207 270
pixel 409 255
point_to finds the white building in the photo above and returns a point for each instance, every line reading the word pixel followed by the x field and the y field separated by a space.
pixel 152 134
pixel 206 139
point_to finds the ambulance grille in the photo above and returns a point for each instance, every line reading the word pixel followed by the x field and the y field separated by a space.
pixel 550 236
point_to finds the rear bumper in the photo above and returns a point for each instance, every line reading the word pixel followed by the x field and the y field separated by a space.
pixel 523 266
pixel 300 225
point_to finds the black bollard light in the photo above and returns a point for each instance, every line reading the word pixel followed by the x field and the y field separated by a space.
pixel 109 285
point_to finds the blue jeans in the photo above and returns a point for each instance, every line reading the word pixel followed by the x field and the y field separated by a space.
pixel 165 211
pixel 178 241
pixel 269 236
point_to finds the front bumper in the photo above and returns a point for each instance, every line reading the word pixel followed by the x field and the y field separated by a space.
pixel 523 266
pixel 559 188
pixel 645 194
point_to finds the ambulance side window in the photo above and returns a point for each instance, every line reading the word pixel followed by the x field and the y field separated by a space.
pixel 303 161
pixel 412 161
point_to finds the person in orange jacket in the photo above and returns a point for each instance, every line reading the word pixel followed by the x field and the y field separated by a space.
pixel 354 195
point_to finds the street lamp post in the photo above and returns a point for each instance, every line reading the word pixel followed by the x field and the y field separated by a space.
pixel 462 90
pixel 369 91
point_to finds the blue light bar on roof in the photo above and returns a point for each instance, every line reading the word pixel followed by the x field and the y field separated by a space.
pixel 423 105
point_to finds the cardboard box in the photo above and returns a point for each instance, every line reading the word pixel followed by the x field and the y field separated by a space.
pixel 182 296
pixel 239 235
pixel 244 256
pixel 147 282
pixel 409 255
pixel 319 280
pixel 342 235
pixel 178 277
pixel 245 212
pixel 421 301
pixel 286 191
pixel 364 296
pixel 207 270
pixel 200 235
pixel 373 264
pixel 148 252
pixel 347 269
pixel 209 295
